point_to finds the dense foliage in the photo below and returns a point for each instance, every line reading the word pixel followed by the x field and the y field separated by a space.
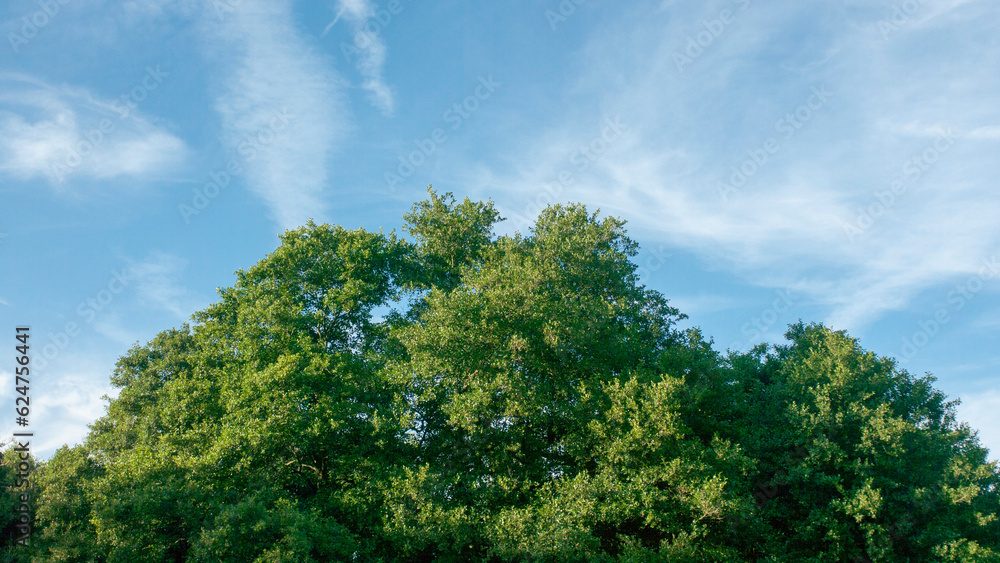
pixel 458 396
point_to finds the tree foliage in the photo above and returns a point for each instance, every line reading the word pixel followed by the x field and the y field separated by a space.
pixel 462 396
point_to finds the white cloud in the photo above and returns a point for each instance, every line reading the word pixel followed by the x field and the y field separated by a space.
pixel 371 47
pixel 157 286
pixel 143 288
pixel 77 399
pixel 62 409
pixel 60 133
pixel 281 110
pixel 688 130
pixel 6 384
pixel 988 132
pixel 118 330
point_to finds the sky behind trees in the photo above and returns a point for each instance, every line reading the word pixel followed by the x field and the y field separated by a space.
pixel 833 162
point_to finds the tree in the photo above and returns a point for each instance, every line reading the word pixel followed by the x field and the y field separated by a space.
pixel 507 369
pixel 448 237
pixel 862 461
pixel 460 396
pixel 63 528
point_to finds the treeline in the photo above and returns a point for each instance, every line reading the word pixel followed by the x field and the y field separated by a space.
pixel 458 396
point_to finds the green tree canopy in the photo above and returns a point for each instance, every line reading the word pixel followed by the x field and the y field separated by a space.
pixel 462 396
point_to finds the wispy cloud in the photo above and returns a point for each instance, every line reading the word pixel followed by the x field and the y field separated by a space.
pixel 690 130
pixel 72 400
pixel 61 133
pixel 983 133
pixel 157 284
pixel 282 108
pixel 371 49
pixel 119 330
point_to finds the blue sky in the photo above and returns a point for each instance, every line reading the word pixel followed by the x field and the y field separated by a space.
pixel 829 161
